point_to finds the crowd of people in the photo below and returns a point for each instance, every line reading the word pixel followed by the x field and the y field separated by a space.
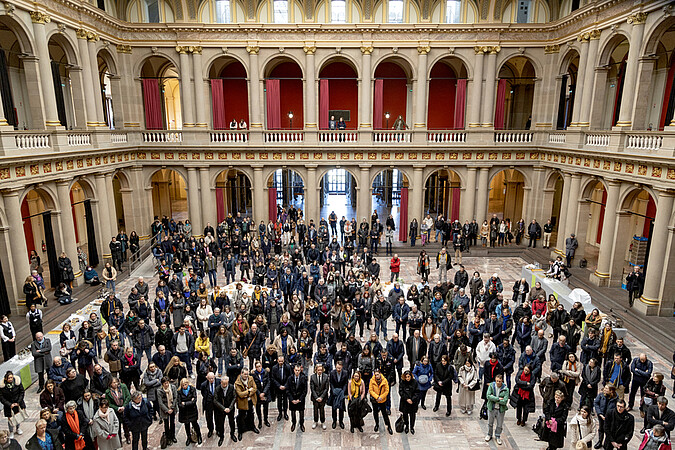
pixel 309 323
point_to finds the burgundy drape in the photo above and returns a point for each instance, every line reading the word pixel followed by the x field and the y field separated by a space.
pixel 501 104
pixel 403 216
pixel 454 214
pixel 152 102
pixel 324 104
pixel 460 102
pixel 218 104
pixel 220 204
pixel 272 206
pixel 273 105
pixel 378 104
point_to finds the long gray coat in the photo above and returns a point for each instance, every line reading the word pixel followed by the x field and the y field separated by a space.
pixel 42 355
pixel 164 407
pixel 101 429
pixel 152 382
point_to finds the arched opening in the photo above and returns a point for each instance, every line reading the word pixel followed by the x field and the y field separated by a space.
pixel 515 95
pixel 663 82
pixel 161 94
pixel 556 198
pixel 286 189
pixel 390 199
pixel 442 192
pixel 284 96
pixel 13 88
pixel 447 95
pixel 568 88
pixel 229 94
pixel 36 209
pixel 85 234
pixel 169 195
pixel 338 193
pixel 591 219
pixel 105 74
pixel 506 195
pixel 338 96
pixel 121 193
pixel 390 100
pixel 60 64
pixel 233 194
pixel 638 226
pixel 616 71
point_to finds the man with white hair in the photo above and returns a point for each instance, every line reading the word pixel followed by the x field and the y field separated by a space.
pixel 224 402
pixel 142 287
pixel 41 349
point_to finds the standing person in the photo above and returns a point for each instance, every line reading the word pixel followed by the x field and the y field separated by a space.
pixel 617 373
pixel 395 268
pixel 619 425
pixel 319 386
pixel 138 415
pixel 534 231
pixel 603 404
pixel 424 374
pixel 279 374
pixel 522 397
pixel 8 336
pixel 11 396
pixel 443 377
pixel 245 389
pixel 583 428
pixel 409 392
pixel 443 263
pixel 262 384
pixel 75 429
pixel 339 379
pixel 105 427
pixel 356 397
pixel 187 410
pixel 388 240
pixel 43 439
pixel 34 319
pixel 167 396
pixel 571 245
pixel 296 390
pixel 548 230
pixel 224 405
pixel 635 282
pixel 497 403
pixel 208 391
pixel 423 264
pixel 641 369
pixel 413 232
pixel 109 274
pixel 41 349
pixel 378 390
pixel 555 428
pixel 571 375
pixel 469 382
pixel 66 270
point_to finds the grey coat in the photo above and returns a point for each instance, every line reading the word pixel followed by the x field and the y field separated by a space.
pixel 152 382
pixel 164 406
pixel 42 356
pixel 102 429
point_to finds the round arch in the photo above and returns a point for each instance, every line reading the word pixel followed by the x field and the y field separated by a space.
pixel 589 184
pixel 391 96
pixel 569 56
pixel 286 188
pixel 442 192
pixel 109 59
pixel 122 195
pixel 40 229
pixel 507 191
pixel 389 197
pixel 276 60
pixel 67 46
pixel 569 73
pixel 339 58
pixel 284 77
pixel 23 36
pixel 507 58
pixel 608 46
pixel 213 69
pixel 338 95
pixel 350 170
pixel 405 63
pixel 169 194
pixel 229 92
pixel 234 193
pixel 171 62
pixel 446 99
pixel 655 33
pixel 466 64
pixel 337 193
pixel 515 93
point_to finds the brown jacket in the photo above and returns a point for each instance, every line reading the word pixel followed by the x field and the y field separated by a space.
pixel 241 388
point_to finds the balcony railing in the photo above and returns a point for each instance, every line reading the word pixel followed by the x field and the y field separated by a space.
pixel 644 142
pixel 513 137
pixel 32 141
pixel 597 140
pixel 118 138
pixel 392 137
pixel 338 137
pixel 162 137
pixel 557 138
pixel 229 137
pixel 446 137
pixel 284 137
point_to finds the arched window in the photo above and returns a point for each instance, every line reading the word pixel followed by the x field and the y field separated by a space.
pixel 223 11
pixel 395 11
pixel 280 11
pixel 453 11
pixel 523 13
pixel 338 11
pixel 152 10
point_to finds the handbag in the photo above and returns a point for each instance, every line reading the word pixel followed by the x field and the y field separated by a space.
pixel 423 379
pixel 476 387
pixel 70 343
pixel 163 442
pixel 193 435
pixel 399 425
pixel 538 427
pixel 483 412
pixel 18 418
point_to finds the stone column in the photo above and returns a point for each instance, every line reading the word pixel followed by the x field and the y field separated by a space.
pixel 565 201
pixel 118 107
pixel 488 111
pixel 468 202
pixel 364 196
pixel 311 194
pixel 311 99
pixel 602 273
pixel 142 210
pixel 112 208
pixel 17 239
pixel 572 207
pixel 89 107
pixel 194 207
pixel 657 265
pixel 259 203
pixel 628 97
pixel 95 80
pixel 420 91
pixel 131 91
pixel 416 199
pixel 482 194
pixel 365 96
pixel 589 76
pixel 68 225
pixel 44 62
pixel 200 100
pixel 186 87
pixel 545 118
pixel 583 39
pixel 254 96
pixel 207 196
pixel 103 216
pixel 476 88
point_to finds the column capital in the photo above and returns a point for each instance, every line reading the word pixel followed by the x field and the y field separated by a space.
pixel 638 18
pixel 367 50
pixel 204 168
pixel 664 192
pixel 11 191
pixel 551 49
pixel 480 49
pixel 365 167
pixel 40 17
pixel 419 166
pixel 472 168
pixel 182 49
pixel 124 48
pixel 257 166
pixel 311 166
pixel 423 50
pixel 63 181
pixel 494 49
pixel 309 50
pixel 583 38
pixel 195 49
pixel 253 50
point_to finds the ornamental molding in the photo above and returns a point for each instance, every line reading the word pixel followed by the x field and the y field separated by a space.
pixel 637 18
pixel 551 49
pixel 367 50
pixel 253 50
pixel 309 49
pixel 124 48
pixel 423 50
pixel 40 17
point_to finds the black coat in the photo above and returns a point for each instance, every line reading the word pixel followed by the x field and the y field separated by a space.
pixel 33 443
pixel 138 419
pixel 296 391
pixel 187 405
pixel 207 397
pixel 262 384
pixel 526 386
pixel 276 375
pixel 618 427
pixel 10 395
pixel 70 436
pixel 225 398
pixel 559 413
pixel 444 374
pixel 409 390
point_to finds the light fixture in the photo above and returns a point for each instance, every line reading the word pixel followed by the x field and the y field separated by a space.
pixel 386 116
pixel 290 117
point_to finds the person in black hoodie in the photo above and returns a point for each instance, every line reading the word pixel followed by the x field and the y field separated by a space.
pixel 444 374
pixel 619 425
pixel 409 390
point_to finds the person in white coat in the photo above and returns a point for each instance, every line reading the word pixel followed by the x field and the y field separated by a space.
pixel 467 377
pixel 483 350
pixel 105 427
pixel 582 428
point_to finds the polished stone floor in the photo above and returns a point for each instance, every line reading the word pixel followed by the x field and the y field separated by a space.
pixel 433 430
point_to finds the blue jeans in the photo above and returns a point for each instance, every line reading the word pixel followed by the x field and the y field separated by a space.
pixel 381 323
pixel 147 351
pixel 110 284
pixel 185 357
pixel 221 363
pixel 212 277
pixel 437 233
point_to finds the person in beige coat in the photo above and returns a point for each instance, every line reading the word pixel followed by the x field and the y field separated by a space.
pixel 582 429
pixel 106 427
pixel 468 378
pixel 571 375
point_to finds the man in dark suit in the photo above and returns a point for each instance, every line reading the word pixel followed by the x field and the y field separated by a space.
pixel 319 385
pixel 224 402
pixel 279 374
pixel 262 383
pixel 296 390
pixel 339 378
pixel 415 348
pixel 208 389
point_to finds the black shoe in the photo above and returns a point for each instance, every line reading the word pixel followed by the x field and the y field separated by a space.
pixel 256 431
pixel 412 431
pixel 377 428
pixel 423 407
pixel 129 440
pixel 292 428
pixel 239 436
pixel 233 437
pixel 188 442
pixel 199 439
pixel 406 429
pixel 174 440
pixel 285 416
pixel 342 425
pixel 435 408
pixel 267 423
pixel 360 429
pixel 220 440
pixel 351 429
pixel 642 431
pixel 302 427
pixel 259 424
pixel 279 417
pixel 334 424
pixel 210 435
pixel 389 430
pixel 598 445
pixel 447 414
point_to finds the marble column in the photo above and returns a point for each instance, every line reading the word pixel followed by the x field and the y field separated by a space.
pixel 420 90
pixel 142 210
pixel 476 88
pixel 254 96
pixel 112 208
pixel 259 203
pixel 655 278
pixel 589 76
pixel 186 87
pixel 628 97
pixel 602 273
pixel 580 91
pixel 194 206
pixel 365 96
pixel 468 202
pixel 200 98
pixel 482 194
pixel 68 225
pixel 89 106
pixel 364 196
pixel 565 202
pixel 572 207
pixel 488 111
pixel 207 197
pixel 416 200
pixel 17 238
pixel 104 217
pixel 311 99
pixel 44 61
pixel 311 195
pixel 547 102
pixel 95 79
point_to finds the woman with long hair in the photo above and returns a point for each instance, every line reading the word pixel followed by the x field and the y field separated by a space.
pixel 167 396
pixel 356 393
pixel 423 262
pixel 188 414
pixel 409 391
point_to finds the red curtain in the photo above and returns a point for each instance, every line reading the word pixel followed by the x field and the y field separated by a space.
pixel 501 104
pixel 403 216
pixel 27 227
pixel 324 104
pixel 651 212
pixel 218 102
pixel 454 214
pixel 272 206
pixel 601 219
pixel 220 204
pixel 378 104
pixel 153 104
pixel 273 105
pixel 665 120
pixel 460 102
pixel 72 209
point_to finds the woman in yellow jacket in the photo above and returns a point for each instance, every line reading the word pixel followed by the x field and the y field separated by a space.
pixel 203 344
pixel 379 391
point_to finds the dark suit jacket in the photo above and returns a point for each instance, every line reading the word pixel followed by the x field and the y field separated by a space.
pixel 296 391
pixel 319 389
pixel 224 398
pixel 207 397
pixel 262 385
pixel 276 378
pixel 409 349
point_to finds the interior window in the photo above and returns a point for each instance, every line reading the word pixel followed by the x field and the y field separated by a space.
pixel 280 11
pixel 338 11
pixel 152 9
pixel 453 10
pixel 223 11
pixel 396 11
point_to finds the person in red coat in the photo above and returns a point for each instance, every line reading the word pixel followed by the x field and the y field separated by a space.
pixel 395 267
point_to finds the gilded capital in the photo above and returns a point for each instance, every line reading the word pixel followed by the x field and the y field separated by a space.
pixel 253 50
pixel 123 48
pixel 493 50
pixel 182 49
pixel 195 49
pixel 595 34
pixel 423 50
pixel 92 37
pixel 40 17
pixel 309 50
pixel 549 49
pixel 480 50
pixel 637 18
pixel 584 37
pixel 81 33
pixel 367 50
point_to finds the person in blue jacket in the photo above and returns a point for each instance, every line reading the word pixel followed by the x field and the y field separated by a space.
pixel 424 374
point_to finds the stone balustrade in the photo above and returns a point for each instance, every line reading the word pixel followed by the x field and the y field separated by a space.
pixel 446 137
